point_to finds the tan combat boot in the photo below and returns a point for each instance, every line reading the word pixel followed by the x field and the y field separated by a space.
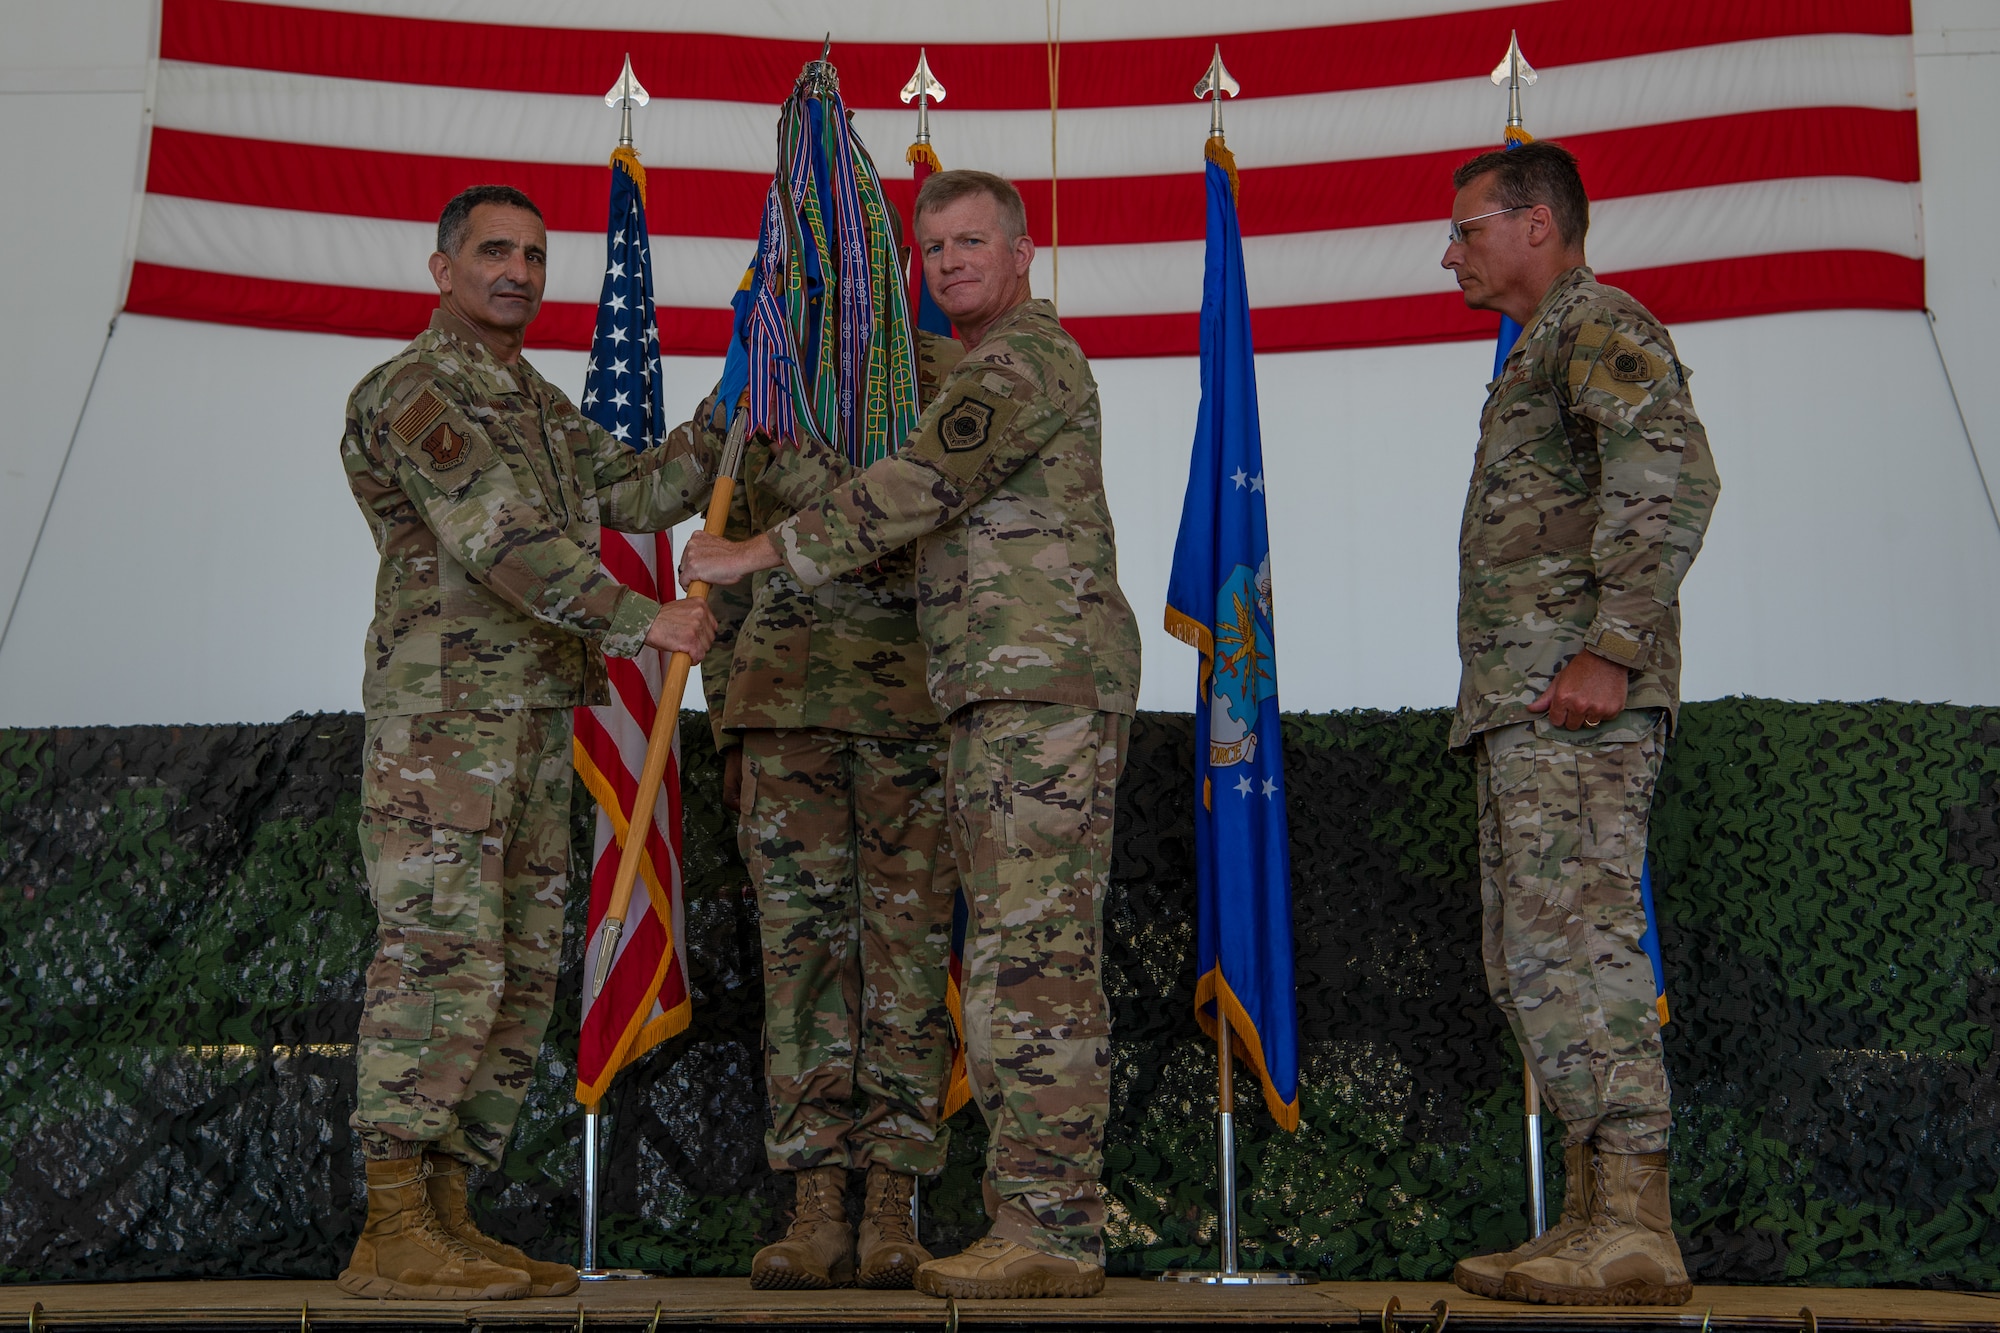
pixel 404 1251
pixel 886 1250
pixel 1627 1256
pixel 818 1249
pixel 448 1202
pixel 1486 1274
pixel 991 1269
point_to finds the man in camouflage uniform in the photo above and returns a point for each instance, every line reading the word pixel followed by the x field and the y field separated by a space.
pixel 1590 494
pixel 1034 665
pixel 485 490
pixel 834 759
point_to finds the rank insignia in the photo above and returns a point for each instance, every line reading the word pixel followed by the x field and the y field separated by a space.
pixel 965 427
pixel 1627 364
pixel 445 446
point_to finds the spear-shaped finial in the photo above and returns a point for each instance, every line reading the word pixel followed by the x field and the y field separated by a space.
pixel 1513 71
pixel 1212 86
pixel 819 78
pixel 922 87
pixel 626 94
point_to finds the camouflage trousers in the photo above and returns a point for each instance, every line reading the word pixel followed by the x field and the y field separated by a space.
pixel 844 837
pixel 1562 837
pixel 465 836
pixel 1032 803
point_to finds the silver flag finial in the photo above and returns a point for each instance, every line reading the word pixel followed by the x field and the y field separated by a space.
pixel 626 94
pixel 923 89
pixel 819 78
pixel 1512 72
pixel 1212 86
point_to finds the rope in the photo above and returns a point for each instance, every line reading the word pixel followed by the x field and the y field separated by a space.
pixel 1052 25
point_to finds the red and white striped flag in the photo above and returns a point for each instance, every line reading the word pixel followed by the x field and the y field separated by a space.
pixel 1742 158
pixel 645 998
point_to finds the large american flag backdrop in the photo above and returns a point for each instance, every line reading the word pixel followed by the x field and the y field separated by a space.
pixel 1743 158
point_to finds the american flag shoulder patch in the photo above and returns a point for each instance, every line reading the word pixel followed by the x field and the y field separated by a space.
pixel 412 422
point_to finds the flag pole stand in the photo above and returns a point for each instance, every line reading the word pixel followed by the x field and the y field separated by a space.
pixel 588 1270
pixel 1231 1274
pixel 1538 1207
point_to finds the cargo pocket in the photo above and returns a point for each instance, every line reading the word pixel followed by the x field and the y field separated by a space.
pixel 1050 785
pixel 425 825
pixel 398 1015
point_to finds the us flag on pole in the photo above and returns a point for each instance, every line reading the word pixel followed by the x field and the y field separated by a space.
pixel 645 999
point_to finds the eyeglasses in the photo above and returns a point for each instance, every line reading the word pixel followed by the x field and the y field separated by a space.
pixel 1457 231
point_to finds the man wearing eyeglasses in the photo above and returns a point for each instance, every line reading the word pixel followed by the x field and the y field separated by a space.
pixel 1591 491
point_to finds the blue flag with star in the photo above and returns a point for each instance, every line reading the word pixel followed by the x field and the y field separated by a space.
pixel 1219 601
pixel 623 385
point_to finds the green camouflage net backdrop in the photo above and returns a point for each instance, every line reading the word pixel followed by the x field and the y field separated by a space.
pixel 183 924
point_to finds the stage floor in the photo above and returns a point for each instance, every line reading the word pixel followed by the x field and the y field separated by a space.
pixel 725 1303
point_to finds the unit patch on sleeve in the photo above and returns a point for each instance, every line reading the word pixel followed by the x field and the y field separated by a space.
pixel 1628 363
pixel 966 426
pixel 445 446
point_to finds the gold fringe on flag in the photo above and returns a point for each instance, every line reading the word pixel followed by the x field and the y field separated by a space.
pixel 924 154
pixel 1218 152
pixel 627 157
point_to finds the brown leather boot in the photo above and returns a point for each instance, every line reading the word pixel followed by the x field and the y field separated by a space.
pixel 405 1252
pixel 1486 1274
pixel 886 1250
pixel 818 1249
pixel 991 1269
pixel 1626 1256
pixel 448 1202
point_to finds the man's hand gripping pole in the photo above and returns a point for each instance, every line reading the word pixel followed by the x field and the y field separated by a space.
pixel 665 719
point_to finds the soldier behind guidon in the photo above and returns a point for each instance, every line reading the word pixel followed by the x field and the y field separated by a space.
pixel 834 760
pixel 485 490
pixel 1034 665
pixel 1590 494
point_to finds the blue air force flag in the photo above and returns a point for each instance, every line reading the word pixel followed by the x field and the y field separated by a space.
pixel 1219 601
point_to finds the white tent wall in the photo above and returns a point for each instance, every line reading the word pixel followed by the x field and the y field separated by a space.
pixel 202 560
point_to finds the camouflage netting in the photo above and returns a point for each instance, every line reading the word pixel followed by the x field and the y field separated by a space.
pixel 183 926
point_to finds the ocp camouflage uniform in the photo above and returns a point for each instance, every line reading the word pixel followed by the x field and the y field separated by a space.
pixel 1590 494
pixel 486 491
pixel 842 829
pixel 1034 662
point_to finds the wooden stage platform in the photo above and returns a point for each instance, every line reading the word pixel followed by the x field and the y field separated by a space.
pixel 1128 1303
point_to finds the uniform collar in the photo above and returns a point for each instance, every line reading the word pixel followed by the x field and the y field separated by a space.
pixel 505 379
pixel 1034 308
pixel 1558 289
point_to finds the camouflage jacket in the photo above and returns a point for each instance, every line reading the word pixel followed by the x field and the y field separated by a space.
pixel 1001 490
pixel 485 490
pixel 1590 494
pixel 844 656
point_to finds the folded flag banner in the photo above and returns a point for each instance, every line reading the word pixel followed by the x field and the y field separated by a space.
pixel 1742 158
pixel 645 998
pixel 1219 601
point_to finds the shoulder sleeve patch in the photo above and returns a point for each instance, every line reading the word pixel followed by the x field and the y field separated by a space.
pixel 414 422
pixel 960 436
pixel 445 446
pixel 1627 362
pixel 432 434
pixel 966 426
